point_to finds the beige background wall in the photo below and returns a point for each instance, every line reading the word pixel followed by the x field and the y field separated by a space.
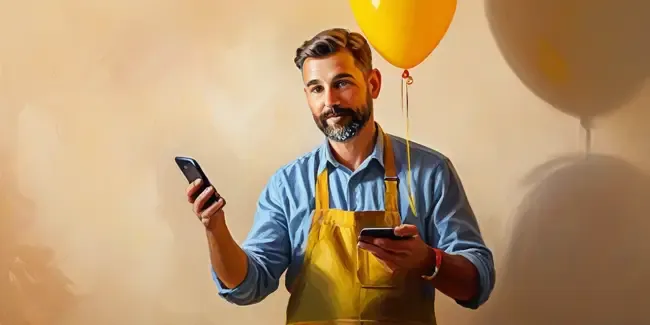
pixel 97 97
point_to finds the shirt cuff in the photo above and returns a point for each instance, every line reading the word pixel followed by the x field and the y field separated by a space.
pixel 242 294
pixel 485 280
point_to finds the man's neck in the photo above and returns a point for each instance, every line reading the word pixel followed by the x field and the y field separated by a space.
pixel 352 153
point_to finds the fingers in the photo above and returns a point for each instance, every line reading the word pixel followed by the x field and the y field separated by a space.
pixel 406 230
pixel 403 247
pixel 380 253
pixel 208 214
pixel 192 188
pixel 199 203
pixel 205 214
pixel 212 209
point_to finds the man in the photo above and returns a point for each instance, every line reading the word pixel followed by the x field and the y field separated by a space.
pixel 310 213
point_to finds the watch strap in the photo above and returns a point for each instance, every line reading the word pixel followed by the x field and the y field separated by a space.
pixel 436 268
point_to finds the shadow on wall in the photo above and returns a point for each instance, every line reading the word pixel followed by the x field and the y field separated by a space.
pixel 33 290
pixel 584 57
pixel 188 263
pixel 579 248
pixel 576 248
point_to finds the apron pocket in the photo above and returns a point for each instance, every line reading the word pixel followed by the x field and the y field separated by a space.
pixel 372 273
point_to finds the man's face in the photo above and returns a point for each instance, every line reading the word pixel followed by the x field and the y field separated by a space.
pixel 339 94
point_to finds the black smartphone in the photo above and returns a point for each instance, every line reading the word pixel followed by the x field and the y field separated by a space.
pixel 192 171
pixel 388 233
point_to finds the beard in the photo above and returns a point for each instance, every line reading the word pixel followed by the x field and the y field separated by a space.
pixel 350 121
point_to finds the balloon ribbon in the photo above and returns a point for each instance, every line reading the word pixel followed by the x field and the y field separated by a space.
pixel 407 80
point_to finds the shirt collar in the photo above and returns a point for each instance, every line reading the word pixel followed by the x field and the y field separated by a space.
pixel 377 153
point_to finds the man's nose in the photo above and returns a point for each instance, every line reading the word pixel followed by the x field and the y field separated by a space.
pixel 331 98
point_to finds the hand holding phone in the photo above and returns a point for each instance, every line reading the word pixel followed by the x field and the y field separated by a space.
pixel 388 233
pixel 198 193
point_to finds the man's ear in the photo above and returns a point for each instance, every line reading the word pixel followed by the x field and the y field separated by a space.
pixel 374 83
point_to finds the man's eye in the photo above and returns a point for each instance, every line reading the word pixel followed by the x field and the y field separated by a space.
pixel 317 89
pixel 342 83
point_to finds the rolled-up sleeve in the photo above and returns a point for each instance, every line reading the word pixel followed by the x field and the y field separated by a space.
pixel 458 230
pixel 268 249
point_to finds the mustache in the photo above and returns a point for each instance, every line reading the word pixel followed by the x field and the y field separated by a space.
pixel 338 111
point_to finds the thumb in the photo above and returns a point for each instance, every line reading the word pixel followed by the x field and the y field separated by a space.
pixel 406 230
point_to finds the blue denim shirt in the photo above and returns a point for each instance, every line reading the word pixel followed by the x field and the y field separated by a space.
pixel 279 234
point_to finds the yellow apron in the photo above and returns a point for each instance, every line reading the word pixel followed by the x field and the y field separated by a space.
pixel 341 284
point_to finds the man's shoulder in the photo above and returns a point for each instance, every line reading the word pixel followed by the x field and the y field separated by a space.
pixel 419 152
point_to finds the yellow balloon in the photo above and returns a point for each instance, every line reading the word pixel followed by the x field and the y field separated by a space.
pixel 404 32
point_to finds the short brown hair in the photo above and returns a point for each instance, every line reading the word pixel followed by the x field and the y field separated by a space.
pixel 333 40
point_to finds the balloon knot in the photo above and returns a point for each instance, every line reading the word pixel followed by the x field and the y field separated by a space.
pixel 405 74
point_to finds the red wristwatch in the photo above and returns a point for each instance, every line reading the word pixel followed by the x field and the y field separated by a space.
pixel 436 267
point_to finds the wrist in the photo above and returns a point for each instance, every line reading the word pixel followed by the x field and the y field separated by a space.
pixel 217 226
pixel 217 222
pixel 432 264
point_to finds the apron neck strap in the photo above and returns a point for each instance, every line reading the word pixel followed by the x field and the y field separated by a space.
pixel 322 190
pixel 390 174
pixel 390 179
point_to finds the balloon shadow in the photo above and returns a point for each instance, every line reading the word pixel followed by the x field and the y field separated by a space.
pixel 33 290
pixel 584 57
pixel 578 254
